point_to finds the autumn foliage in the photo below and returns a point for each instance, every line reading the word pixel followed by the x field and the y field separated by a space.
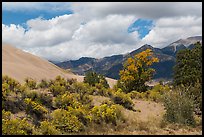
pixel 137 71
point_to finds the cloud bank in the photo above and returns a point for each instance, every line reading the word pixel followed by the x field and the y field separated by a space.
pixel 101 29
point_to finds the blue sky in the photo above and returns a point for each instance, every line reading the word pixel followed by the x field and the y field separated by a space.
pixel 20 17
pixel 61 31
pixel 142 26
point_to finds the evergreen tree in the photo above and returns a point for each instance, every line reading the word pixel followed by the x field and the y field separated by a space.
pixel 92 78
pixel 188 68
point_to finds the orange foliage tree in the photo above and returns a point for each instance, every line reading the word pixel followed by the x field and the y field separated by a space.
pixel 136 71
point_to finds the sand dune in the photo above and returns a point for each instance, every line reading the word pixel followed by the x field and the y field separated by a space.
pixel 20 65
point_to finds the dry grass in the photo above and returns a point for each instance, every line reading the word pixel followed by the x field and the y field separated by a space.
pixel 147 122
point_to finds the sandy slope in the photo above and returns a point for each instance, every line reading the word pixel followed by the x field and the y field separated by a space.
pixel 19 65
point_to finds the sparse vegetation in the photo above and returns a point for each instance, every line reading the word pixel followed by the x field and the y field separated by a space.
pixel 179 107
pixel 65 106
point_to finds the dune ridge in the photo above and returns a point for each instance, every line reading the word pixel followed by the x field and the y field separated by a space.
pixel 20 65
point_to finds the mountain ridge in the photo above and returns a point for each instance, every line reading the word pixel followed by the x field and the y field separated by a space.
pixel 111 65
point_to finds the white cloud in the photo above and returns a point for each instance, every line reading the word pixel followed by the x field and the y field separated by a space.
pixel 168 30
pixel 105 30
pixel 150 10
pixel 63 38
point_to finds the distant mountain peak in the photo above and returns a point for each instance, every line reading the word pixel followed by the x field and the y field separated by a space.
pixel 146 46
pixel 186 42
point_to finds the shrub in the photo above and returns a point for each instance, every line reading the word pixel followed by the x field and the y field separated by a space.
pixel 5 90
pixel 101 90
pixel 81 88
pixel 92 78
pixel 40 97
pixel 179 107
pixel 12 85
pixel 123 99
pixel 35 108
pixel 45 99
pixel 11 95
pixel 154 96
pixel 15 126
pixel 71 81
pixel 61 81
pixel 196 92
pixel 82 112
pixel 47 128
pixel 67 99
pixel 138 95
pixel 43 84
pixel 107 113
pixel 31 83
pixel 157 92
pixel 6 114
pixel 66 122
pixel 57 89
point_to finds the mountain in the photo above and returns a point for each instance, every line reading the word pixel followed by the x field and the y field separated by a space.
pixel 110 66
pixel 180 44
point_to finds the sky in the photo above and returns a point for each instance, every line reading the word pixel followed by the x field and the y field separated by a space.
pixel 61 31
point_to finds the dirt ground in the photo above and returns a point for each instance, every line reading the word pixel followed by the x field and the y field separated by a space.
pixel 147 120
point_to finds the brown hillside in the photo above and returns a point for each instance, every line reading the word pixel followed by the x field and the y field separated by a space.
pixel 19 65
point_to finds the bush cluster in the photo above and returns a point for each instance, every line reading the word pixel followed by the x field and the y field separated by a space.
pixel 31 83
pixel 108 113
pixel 123 99
pixel 15 126
pixel 179 107
pixel 92 78
pixel 64 121
pixel 33 107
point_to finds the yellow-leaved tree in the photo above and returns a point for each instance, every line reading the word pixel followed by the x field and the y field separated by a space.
pixel 136 71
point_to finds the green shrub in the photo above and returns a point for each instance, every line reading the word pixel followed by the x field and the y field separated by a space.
pixel 57 89
pixel 196 92
pixel 71 81
pixel 179 107
pixel 47 128
pixel 123 99
pixel 101 90
pixel 31 83
pixel 92 78
pixel 138 95
pixel 11 85
pixel 43 84
pixel 11 95
pixel 81 88
pixel 154 96
pixel 156 93
pixel 63 120
pixel 5 90
pixel 61 81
